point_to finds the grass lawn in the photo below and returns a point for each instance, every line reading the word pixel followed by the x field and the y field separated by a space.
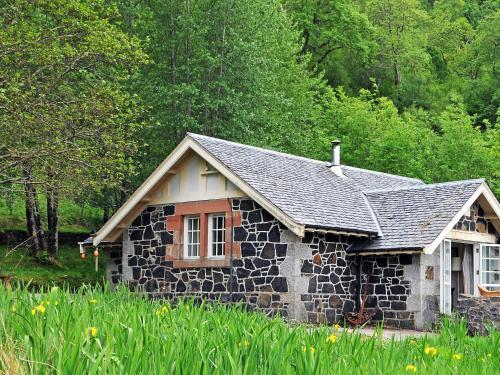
pixel 72 270
pixel 98 331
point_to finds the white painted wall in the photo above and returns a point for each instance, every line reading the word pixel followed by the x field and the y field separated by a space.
pixel 193 182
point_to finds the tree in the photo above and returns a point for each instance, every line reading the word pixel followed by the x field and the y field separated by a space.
pixel 64 111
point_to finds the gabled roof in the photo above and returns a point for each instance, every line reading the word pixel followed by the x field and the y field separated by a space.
pixel 304 189
pixel 304 194
pixel 413 218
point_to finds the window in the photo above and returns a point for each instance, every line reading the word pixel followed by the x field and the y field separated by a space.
pixel 490 267
pixel 191 236
pixel 216 235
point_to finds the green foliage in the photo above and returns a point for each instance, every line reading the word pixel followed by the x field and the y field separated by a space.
pixel 95 331
pixel 69 270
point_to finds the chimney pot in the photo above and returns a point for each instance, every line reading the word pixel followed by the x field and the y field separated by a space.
pixel 335 152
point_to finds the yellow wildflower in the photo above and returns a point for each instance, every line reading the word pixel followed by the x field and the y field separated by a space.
pixel 33 311
pixel 411 368
pixel 337 326
pixel 164 309
pixel 92 331
pixel 246 343
pixel 331 339
pixel 304 349
pixel 413 342
pixel 430 350
pixel 13 308
pixel 93 301
pixel 38 309
pixel 158 312
pixel 457 357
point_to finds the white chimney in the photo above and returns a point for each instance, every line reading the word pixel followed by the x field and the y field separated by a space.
pixel 336 168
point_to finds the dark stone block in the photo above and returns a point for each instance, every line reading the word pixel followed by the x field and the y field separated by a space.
pixel 146 218
pixel 281 250
pixel 159 272
pixel 262 237
pixel 246 205
pixel 218 277
pixel 379 315
pixel 219 287
pixel 195 286
pixel 237 263
pixel 254 217
pixel 249 287
pixel 341 262
pixel 160 251
pixel 159 226
pixel 180 287
pixel 169 276
pixel 264 227
pixel 266 216
pixel 307 267
pixel 148 233
pixel 308 236
pixel 232 284
pixel 348 306
pixel 381 262
pixel 398 289
pixel 207 286
pixel 397 305
pixel 335 301
pixel 274 270
pixel 327 288
pixel 136 235
pixel 259 280
pixel 405 259
pixel 274 235
pixel 166 238
pixel 334 279
pixel 371 301
pixel 339 289
pixel 248 249
pixel 132 261
pixel 248 264
pixel 268 251
pixel 261 263
pixel 313 284
pixel 389 272
pixel 280 284
pixel 151 286
pixel 380 289
pixel 264 301
pixel 168 210
pixel 323 279
pixel 242 273
pixel 136 273
pixel 330 237
pixel 142 261
pixel 136 222
pixel 240 234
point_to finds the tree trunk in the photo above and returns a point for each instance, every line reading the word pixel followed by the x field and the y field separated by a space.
pixel 52 222
pixel 33 217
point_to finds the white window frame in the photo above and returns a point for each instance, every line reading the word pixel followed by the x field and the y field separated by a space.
pixel 188 236
pixel 445 277
pixel 481 270
pixel 210 235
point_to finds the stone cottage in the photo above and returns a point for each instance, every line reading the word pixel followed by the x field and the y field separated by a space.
pixel 306 238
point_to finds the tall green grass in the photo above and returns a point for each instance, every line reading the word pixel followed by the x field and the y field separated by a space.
pixel 101 331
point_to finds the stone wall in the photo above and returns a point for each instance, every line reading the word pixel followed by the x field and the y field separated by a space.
pixel 332 283
pixel 480 312
pixel 255 278
pixel 310 278
pixel 476 221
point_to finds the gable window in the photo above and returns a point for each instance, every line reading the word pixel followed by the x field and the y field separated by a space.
pixel 490 267
pixel 216 235
pixel 192 237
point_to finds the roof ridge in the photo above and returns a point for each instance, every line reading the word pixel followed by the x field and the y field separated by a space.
pixel 383 173
pixel 427 186
pixel 259 148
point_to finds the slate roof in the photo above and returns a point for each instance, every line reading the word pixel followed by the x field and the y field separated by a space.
pixel 304 189
pixel 412 217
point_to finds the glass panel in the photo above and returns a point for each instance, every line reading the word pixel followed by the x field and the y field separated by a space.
pixel 490 278
pixel 491 265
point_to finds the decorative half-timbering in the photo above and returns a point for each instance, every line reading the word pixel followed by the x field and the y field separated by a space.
pixel 311 240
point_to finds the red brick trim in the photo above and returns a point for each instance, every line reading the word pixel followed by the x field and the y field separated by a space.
pixel 175 223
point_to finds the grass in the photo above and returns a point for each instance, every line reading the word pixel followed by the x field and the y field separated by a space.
pixel 71 271
pixel 73 217
pixel 99 331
